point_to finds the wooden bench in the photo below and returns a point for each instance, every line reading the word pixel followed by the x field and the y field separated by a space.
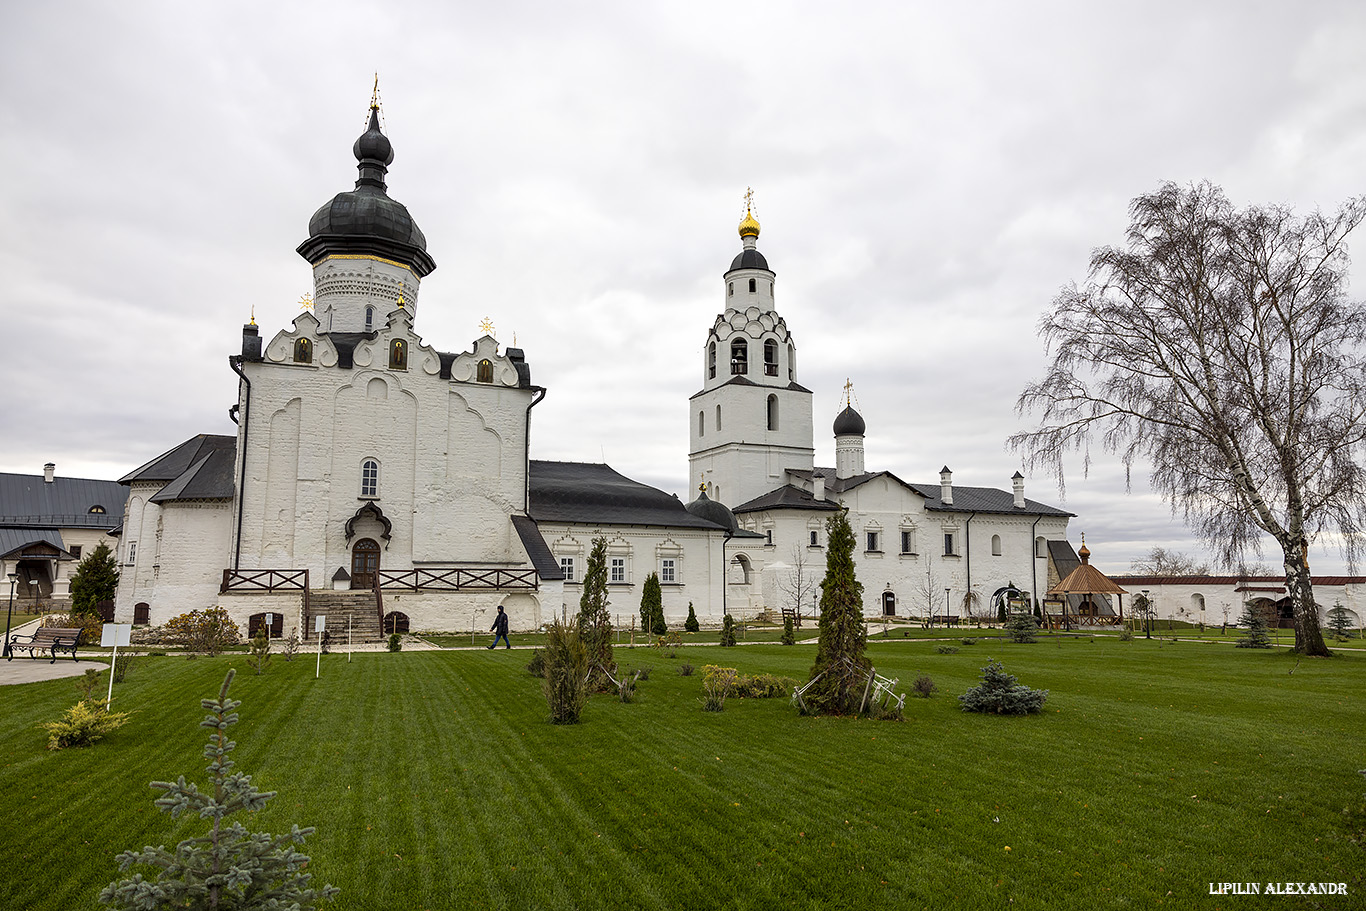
pixel 946 619
pixel 48 639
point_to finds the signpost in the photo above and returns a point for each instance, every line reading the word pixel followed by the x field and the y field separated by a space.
pixel 319 624
pixel 114 634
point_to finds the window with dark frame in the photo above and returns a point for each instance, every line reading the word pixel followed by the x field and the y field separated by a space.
pixel 484 373
pixel 907 542
pixel 739 357
pixel 815 538
pixel 948 544
pixel 873 542
pixel 567 567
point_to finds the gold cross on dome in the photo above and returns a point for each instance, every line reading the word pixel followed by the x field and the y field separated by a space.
pixel 749 199
pixel 306 302
pixel 486 326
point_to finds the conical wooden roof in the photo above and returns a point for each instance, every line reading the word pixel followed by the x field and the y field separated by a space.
pixel 1086 580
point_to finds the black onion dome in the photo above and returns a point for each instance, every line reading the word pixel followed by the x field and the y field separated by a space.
pixel 849 422
pixel 714 511
pixel 366 220
pixel 749 259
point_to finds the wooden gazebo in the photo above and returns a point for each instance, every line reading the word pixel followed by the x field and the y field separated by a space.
pixel 1085 581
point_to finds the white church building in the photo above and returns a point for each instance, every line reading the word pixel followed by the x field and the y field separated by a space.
pixel 376 478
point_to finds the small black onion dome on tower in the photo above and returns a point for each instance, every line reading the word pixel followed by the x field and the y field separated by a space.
pixel 365 220
pixel 849 422
pixel 704 507
pixel 749 259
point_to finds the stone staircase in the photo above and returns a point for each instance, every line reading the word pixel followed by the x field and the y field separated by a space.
pixel 357 605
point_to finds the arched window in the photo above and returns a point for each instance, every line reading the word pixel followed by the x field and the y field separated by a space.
pixel 1040 547
pixel 485 373
pixel 770 358
pixel 701 423
pixel 752 286
pixel 97 510
pixel 772 412
pixel 995 545
pixel 739 357
pixel 739 570
pixel 369 478
pixel 369 318
pixel 398 355
pixel 711 361
pixel 730 289
pixel 303 351
pixel 718 417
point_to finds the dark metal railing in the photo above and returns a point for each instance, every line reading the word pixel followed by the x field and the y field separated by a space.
pixel 458 579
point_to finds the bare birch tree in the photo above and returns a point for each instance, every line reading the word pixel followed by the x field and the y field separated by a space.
pixel 1219 345
pixel 798 585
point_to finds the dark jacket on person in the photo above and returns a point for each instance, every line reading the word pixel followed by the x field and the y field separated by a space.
pixel 500 624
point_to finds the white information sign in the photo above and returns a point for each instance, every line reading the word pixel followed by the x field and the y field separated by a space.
pixel 116 634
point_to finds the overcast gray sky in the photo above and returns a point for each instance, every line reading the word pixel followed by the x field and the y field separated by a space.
pixel 927 176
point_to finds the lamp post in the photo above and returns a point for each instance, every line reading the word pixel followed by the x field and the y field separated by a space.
pixel 947 610
pixel 9 612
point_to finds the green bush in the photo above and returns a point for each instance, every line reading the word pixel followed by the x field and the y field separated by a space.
pixel 1021 628
pixel 123 663
pixel 691 624
pixel 83 724
pixel 395 642
pixel 209 631
pixel 1258 633
pixel 727 633
pixel 716 686
pixel 90 625
pixel 566 673
pixel 1000 694
pixel 789 634
pixel 948 649
pixel 746 686
pixel 259 656
pixel 685 669
pixel 1126 635
pixel 536 667
pixel 969 641
pixel 923 687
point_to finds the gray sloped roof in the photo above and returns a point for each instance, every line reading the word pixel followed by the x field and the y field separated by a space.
pixel 985 499
pixel 172 464
pixel 786 497
pixel 28 501
pixel 547 567
pixel 12 539
pixel 210 478
pixel 592 493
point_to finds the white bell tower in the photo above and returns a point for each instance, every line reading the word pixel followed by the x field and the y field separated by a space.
pixel 752 420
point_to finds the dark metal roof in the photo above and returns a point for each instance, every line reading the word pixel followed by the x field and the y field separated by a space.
pixel 172 464
pixel 28 501
pixel 849 421
pixel 786 497
pixel 366 219
pixel 714 511
pixel 547 567
pixel 748 259
pixel 985 499
pixel 210 478
pixel 14 539
pixel 591 493
pixel 746 381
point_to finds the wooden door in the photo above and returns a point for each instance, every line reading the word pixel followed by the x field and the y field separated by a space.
pixel 364 563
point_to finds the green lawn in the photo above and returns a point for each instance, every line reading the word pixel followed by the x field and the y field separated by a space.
pixel 435 782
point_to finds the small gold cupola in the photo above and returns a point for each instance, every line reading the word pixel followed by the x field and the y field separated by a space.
pixel 749 225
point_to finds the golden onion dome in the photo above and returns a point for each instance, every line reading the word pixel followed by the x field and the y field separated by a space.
pixel 749 226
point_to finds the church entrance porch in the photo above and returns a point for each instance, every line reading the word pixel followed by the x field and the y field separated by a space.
pixel 364 563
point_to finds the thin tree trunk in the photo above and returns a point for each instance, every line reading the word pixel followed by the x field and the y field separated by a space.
pixel 1298 582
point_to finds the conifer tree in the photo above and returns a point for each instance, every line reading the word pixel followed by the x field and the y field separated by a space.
pixel 789 634
pixel 96 579
pixel 1339 622
pixel 652 607
pixel 728 631
pixel 229 867
pixel 691 624
pixel 840 662
pixel 1258 633
pixel 595 623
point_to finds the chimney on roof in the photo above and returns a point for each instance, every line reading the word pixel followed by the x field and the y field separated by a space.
pixel 1018 481
pixel 49 470
pixel 818 486
pixel 946 486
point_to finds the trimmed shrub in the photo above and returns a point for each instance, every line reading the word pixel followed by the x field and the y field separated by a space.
pixel 969 641
pixel 1000 693
pixel 947 649
pixel 536 667
pixel 1126 635
pixel 209 631
pixel 95 580
pixel 840 673
pixel 83 724
pixel 691 624
pixel 789 634
pixel 923 687
pixel 566 673
pixel 594 620
pixel 727 633
pixel 395 642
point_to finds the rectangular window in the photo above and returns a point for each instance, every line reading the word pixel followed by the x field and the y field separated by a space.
pixel 907 542
pixel 768 537
pixel 75 551
pixel 815 539
pixel 872 541
pixel 567 567
pixel 132 552
pixel 668 572
pixel 618 569
pixel 948 544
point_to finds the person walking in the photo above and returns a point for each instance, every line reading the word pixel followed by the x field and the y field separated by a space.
pixel 500 628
